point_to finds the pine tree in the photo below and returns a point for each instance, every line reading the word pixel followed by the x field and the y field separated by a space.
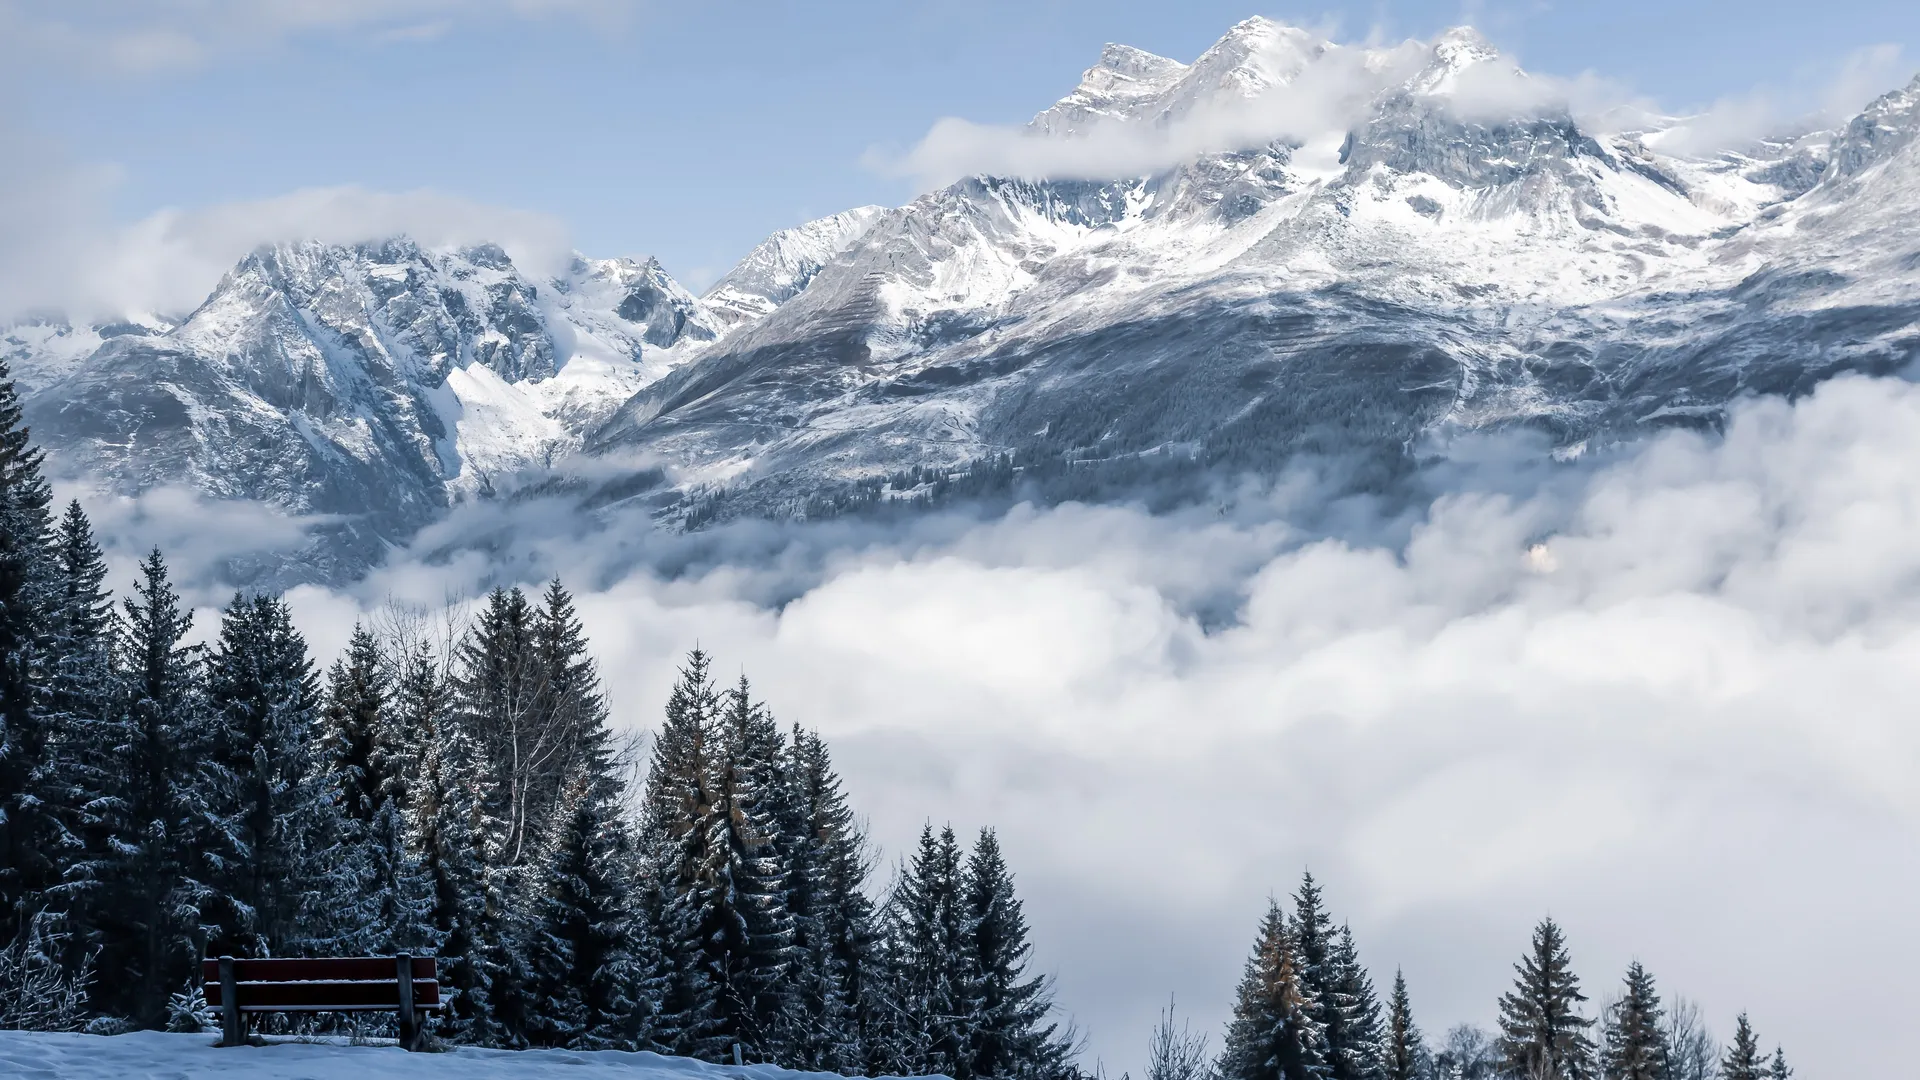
pixel 142 908
pixel 596 971
pixel 1334 983
pixel 444 819
pixel 1007 1032
pixel 1406 1047
pixel 391 905
pixel 928 961
pixel 750 931
pixel 1542 1034
pixel 271 842
pixel 81 700
pixel 571 698
pixel 1778 1070
pixel 1360 1053
pixel 32 835
pixel 355 731
pixel 839 982
pixel 1636 1045
pixel 1743 1060
pixel 1274 1034
pixel 682 791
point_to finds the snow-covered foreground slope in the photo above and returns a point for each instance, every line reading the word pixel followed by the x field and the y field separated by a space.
pixel 33 1055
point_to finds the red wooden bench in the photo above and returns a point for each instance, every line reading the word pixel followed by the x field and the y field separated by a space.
pixel 405 985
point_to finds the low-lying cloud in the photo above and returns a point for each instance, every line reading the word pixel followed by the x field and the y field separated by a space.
pixel 1665 698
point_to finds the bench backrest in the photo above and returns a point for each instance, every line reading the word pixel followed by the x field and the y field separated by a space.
pixel 327 984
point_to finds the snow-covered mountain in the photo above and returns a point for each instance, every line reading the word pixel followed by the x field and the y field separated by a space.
pixel 367 385
pixel 1395 244
pixel 1463 253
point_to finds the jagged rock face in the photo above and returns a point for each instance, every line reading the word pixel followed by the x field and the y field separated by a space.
pixel 1887 126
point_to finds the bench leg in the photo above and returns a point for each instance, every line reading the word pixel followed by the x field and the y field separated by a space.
pixel 409 1019
pixel 233 1031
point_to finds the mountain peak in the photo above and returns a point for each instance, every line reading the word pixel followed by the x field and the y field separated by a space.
pixel 1136 64
pixel 1884 127
pixel 1453 52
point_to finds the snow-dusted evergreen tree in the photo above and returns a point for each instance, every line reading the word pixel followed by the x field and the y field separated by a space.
pixel 1635 1040
pixel 1542 1034
pixel 682 792
pixel 1361 1053
pixel 571 701
pixel 271 832
pixel 1007 1034
pixel 82 703
pixel 443 813
pixel 33 837
pixel 390 908
pixel 838 980
pixel 1778 1069
pixel 928 961
pixel 1275 1033
pixel 1743 1060
pixel 597 972
pixel 1406 1056
pixel 750 933
pixel 142 906
pixel 1344 1003
pixel 355 731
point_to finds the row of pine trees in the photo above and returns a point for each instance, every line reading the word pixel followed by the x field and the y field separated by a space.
pixel 1307 1010
pixel 457 790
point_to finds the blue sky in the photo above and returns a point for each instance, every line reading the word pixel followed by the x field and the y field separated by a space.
pixel 691 130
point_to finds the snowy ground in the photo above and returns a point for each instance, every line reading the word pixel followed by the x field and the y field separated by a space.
pixel 152 1055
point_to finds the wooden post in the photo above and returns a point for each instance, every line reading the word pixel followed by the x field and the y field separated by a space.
pixel 409 1022
pixel 232 1030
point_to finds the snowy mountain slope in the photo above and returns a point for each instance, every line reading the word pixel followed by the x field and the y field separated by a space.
pixel 368 385
pixel 1447 261
pixel 785 263
pixel 156 1054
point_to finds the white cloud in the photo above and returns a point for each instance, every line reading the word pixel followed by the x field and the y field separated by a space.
pixel 1665 700
pixel 1816 98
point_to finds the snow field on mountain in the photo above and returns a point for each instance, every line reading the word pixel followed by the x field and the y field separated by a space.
pixel 155 1055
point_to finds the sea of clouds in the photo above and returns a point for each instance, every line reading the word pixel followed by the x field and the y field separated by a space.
pixel 1665 696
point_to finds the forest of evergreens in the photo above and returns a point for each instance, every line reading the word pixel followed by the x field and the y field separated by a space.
pixel 454 787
